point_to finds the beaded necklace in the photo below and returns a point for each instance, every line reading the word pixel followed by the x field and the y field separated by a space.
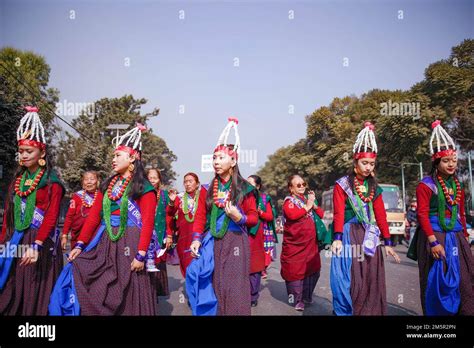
pixel 30 194
pixel 358 188
pixel 215 211
pixel 195 206
pixel 107 203
pixel 444 199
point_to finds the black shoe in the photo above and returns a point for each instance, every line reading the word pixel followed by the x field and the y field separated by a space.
pixel 254 303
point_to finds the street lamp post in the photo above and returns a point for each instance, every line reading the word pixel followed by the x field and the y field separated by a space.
pixel 403 179
pixel 118 127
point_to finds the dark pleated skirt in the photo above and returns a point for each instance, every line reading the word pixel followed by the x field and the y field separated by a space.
pixel 159 280
pixel 231 281
pixel 28 288
pixel 105 284
pixel 466 263
pixel 368 291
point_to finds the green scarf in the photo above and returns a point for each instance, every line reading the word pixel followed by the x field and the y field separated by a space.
pixel 160 216
pixel 442 206
pixel 324 236
pixel 216 212
pixel 271 225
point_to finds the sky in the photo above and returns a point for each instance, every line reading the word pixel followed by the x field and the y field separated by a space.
pixel 268 63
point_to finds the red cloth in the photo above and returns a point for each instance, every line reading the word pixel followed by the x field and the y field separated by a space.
pixel 339 202
pixel 299 254
pixel 184 230
pixel 423 197
pixel 248 206
pixel 74 219
pixel 267 215
pixel 256 242
pixel 50 203
pixel 147 205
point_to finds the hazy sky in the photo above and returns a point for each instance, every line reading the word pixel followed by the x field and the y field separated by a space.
pixel 269 63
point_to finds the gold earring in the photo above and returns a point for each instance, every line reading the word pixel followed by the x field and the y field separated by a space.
pixel 41 162
pixel 131 167
pixel 20 162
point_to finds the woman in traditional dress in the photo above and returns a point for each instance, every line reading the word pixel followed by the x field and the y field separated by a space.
pixel 300 260
pixel 357 265
pixel 217 281
pixel 262 239
pixel 445 259
pixel 183 207
pixel 105 274
pixel 79 207
pixel 162 237
pixel 31 214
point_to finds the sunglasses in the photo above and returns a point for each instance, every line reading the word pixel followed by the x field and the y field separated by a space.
pixel 301 185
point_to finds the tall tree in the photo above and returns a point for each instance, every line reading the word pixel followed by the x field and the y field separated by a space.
pixel 449 83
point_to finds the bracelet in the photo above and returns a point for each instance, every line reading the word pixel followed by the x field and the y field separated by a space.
pixel 140 258
pixel 197 236
pixel 79 245
pixel 388 242
pixel 36 246
pixel 338 236
pixel 433 244
pixel 242 220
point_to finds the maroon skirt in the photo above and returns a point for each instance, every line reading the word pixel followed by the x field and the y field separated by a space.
pixel 29 288
pixel 105 284
pixel 159 280
pixel 368 290
pixel 231 280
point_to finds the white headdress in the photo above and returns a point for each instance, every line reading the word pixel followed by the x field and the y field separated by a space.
pixel 31 131
pixel 131 141
pixel 365 140
pixel 444 143
pixel 222 142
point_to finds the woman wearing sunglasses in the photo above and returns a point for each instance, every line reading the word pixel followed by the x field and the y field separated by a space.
pixel 300 260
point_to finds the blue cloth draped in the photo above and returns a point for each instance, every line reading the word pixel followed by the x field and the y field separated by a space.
pixel 442 295
pixel 6 258
pixel 340 274
pixel 64 300
pixel 202 298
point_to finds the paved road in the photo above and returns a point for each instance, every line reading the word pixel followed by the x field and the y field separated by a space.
pixel 402 290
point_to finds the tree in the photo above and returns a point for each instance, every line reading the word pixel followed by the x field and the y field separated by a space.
pixel 95 153
pixel 449 84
